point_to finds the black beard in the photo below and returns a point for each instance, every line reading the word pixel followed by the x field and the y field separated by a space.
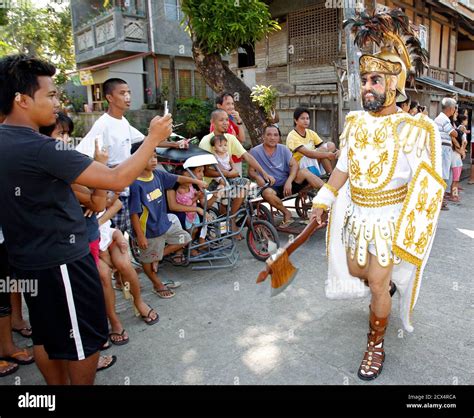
pixel 376 104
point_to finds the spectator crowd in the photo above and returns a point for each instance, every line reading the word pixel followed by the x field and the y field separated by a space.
pixel 66 214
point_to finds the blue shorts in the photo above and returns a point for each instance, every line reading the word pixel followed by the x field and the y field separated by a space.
pixel 315 170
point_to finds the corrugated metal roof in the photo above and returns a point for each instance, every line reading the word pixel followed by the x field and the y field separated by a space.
pixel 444 86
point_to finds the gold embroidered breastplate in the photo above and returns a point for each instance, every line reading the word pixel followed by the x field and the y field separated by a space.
pixel 372 151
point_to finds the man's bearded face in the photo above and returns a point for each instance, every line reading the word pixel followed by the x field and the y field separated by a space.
pixel 373 92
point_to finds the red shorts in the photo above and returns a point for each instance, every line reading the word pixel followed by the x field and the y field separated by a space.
pixel 94 248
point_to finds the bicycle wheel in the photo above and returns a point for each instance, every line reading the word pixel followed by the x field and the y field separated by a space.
pixel 134 248
pixel 263 213
pixel 304 203
pixel 260 239
pixel 213 231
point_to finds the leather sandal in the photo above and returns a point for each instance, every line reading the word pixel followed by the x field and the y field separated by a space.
pixel 374 356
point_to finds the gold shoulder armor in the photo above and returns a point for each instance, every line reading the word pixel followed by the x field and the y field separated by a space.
pixel 350 122
pixel 415 133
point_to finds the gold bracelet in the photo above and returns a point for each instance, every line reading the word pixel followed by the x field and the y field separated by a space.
pixel 331 189
pixel 320 206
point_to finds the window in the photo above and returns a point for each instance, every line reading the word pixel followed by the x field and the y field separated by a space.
pixel 97 97
pixel 184 84
pixel 172 10
pixel 246 56
pixel 165 82
pixel 313 35
pixel 200 89
pixel 133 7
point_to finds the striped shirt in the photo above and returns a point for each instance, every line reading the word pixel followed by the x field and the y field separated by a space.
pixel 445 127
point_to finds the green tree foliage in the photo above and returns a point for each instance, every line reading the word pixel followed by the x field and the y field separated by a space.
pixel 194 116
pixel 220 26
pixel 43 32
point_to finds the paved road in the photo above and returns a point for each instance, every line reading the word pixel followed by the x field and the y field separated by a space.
pixel 223 329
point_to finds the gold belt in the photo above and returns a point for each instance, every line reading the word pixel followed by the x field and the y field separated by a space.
pixel 370 199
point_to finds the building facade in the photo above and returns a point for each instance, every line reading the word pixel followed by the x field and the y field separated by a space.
pixel 138 41
pixel 307 62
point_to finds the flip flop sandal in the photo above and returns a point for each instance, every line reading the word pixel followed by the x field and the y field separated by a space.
pixel 8 372
pixel 285 224
pixel 24 332
pixel 171 284
pixel 160 293
pixel 13 358
pixel 112 362
pixel 120 334
pixel 153 321
pixel 181 257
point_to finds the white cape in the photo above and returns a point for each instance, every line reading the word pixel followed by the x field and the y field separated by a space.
pixel 341 285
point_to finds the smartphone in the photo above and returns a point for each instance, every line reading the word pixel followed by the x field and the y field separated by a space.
pixel 166 108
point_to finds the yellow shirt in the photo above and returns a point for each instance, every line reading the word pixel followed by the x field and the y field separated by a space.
pixel 295 140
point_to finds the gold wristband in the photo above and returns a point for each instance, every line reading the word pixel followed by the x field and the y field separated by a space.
pixel 332 189
pixel 320 206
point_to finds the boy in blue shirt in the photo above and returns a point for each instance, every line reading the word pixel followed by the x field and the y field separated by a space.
pixel 152 225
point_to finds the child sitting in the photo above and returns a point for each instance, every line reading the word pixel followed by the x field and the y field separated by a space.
pixel 186 195
pixel 153 227
pixel 226 165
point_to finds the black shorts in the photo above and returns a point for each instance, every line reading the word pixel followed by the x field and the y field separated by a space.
pixel 295 188
pixel 67 309
pixel 5 305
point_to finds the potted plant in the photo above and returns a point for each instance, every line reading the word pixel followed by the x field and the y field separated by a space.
pixel 266 97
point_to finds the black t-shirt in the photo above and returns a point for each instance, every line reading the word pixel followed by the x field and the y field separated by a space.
pixel 41 218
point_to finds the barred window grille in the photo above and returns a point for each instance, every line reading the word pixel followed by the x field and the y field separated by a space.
pixel 184 80
pixel 313 35
pixel 200 90
pixel 165 78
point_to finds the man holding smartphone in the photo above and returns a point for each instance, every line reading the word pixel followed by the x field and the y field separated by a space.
pixel 118 136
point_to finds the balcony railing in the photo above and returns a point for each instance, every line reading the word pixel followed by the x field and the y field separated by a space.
pixel 111 28
pixel 451 77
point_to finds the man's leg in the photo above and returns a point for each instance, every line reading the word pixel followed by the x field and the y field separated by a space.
pixel 379 283
pixel 7 346
pixel 118 335
pixel 82 372
pixel 18 323
pixel 305 175
pixel 381 304
pixel 55 372
pixel 325 162
pixel 173 248
pixel 271 197
pixel 123 264
pixel 234 208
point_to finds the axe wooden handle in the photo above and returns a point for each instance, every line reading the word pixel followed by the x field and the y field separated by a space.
pixel 295 244
pixel 303 236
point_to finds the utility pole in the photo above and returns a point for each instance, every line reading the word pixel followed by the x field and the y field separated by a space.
pixel 172 90
pixel 352 54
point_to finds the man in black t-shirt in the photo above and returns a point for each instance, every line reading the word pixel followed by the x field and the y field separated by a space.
pixel 43 224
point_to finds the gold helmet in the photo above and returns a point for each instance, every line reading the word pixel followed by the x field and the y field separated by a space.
pixel 400 52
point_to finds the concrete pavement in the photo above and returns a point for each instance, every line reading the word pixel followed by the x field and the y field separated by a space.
pixel 221 328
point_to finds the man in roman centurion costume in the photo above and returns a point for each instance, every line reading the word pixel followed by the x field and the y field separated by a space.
pixel 385 194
